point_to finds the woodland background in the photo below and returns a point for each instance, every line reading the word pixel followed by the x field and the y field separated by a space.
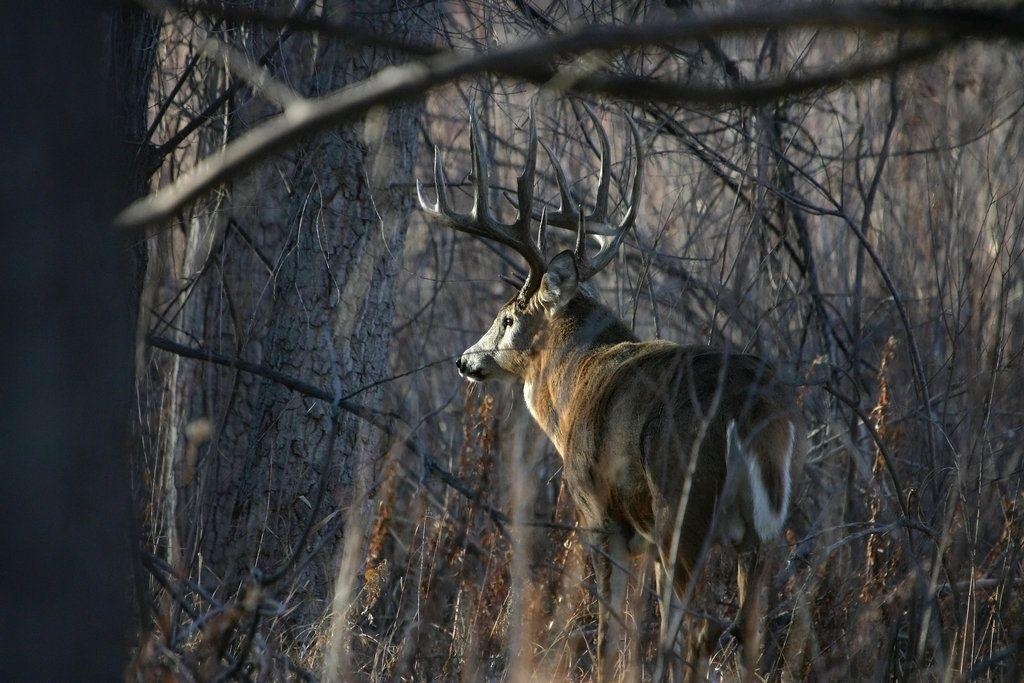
pixel 311 492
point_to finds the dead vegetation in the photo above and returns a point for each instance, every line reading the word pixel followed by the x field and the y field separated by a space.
pixel 867 237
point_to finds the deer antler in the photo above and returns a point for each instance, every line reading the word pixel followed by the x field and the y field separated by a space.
pixel 481 221
pixel 570 216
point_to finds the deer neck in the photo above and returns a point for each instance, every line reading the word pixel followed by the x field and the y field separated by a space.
pixel 566 350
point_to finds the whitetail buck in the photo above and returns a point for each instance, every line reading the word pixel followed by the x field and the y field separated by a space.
pixel 666 445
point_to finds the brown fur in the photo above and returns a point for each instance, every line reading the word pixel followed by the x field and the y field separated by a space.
pixel 641 424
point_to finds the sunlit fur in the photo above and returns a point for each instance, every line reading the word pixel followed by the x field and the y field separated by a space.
pixel 629 417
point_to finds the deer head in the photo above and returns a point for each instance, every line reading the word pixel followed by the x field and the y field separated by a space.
pixel 504 351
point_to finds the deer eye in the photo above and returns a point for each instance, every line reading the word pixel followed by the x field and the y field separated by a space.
pixel 507 321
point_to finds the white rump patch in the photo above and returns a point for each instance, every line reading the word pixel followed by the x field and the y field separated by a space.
pixel 767 521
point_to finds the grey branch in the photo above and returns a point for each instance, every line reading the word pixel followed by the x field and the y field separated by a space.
pixel 535 62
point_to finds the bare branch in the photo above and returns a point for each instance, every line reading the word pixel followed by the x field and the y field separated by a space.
pixel 172 143
pixel 258 77
pixel 354 33
pixel 533 62
pixel 382 421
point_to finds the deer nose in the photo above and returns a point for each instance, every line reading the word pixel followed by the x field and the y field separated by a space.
pixel 460 364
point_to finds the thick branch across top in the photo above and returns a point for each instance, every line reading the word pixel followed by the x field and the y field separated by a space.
pixel 535 62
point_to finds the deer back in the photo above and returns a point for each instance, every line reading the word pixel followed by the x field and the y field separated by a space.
pixel 645 426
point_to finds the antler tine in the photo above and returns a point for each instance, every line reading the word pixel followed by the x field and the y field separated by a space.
pixel 609 247
pixel 542 232
pixel 428 206
pixel 638 178
pixel 525 183
pixel 600 214
pixel 609 243
pixel 581 242
pixel 566 215
pixel 481 170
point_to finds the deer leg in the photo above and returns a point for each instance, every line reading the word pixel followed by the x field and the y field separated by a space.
pixel 670 612
pixel 695 647
pixel 620 635
pixel 751 576
pixel 611 572
pixel 636 599
pixel 602 586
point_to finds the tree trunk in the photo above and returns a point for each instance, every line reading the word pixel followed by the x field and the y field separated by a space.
pixel 293 268
pixel 64 577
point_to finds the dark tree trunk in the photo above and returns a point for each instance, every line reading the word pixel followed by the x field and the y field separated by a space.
pixel 64 577
pixel 130 53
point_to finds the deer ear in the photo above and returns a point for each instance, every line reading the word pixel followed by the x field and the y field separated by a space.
pixel 558 286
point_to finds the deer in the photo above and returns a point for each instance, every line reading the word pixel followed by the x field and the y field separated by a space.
pixel 666 448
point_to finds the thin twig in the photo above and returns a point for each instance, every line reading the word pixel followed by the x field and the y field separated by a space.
pixel 379 419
